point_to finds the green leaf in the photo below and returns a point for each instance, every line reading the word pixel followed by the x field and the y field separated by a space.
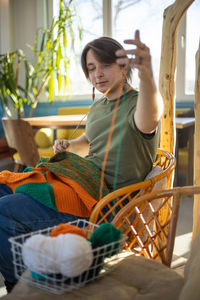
pixel 34 90
pixel 65 83
pixel 59 79
pixel 51 87
pixel 64 39
pixel 58 56
pixel 43 41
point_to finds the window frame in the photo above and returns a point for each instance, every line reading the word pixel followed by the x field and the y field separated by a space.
pixel 181 62
pixel 180 95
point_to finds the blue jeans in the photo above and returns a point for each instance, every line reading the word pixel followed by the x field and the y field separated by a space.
pixel 20 214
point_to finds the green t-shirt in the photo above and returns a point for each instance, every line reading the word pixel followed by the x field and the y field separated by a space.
pixel 132 157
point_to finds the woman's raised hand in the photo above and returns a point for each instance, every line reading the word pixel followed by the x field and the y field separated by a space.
pixel 140 57
pixel 60 146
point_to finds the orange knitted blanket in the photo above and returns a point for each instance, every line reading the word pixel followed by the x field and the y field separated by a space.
pixel 58 184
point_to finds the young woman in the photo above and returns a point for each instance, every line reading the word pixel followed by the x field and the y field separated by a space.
pixel 121 136
pixel 104 62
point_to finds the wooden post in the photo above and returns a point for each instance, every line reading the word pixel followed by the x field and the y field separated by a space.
pixel 171 18
pixel 196 207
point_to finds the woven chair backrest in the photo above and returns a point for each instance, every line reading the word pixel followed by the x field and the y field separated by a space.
pixel 111 204
pixel 148 234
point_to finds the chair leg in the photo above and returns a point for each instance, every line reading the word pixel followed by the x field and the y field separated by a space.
pixel 16 168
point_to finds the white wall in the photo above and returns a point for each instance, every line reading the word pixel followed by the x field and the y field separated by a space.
pixel 5 26
pixel 19 20
pixel 24 25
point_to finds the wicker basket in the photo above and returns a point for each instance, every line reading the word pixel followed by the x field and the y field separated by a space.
pixel 105 259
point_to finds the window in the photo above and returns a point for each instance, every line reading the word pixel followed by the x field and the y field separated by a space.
pixel 147 16
pixel 192 43
pixel 90 13
pixel 188 43
pixel 120 19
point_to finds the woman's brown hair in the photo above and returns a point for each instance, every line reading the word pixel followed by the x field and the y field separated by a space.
pixel 104 49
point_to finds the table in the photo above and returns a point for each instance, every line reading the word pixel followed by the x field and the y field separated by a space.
pixel 67 121
pixel 185 128
pixel 184 122
pixel 58 121
pixel 55 122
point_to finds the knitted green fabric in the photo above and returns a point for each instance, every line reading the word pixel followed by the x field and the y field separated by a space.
pixel 29 169
pixel 105 234
pixel 42 192
pixel 84 172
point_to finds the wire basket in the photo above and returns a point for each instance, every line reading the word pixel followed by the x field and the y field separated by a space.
pixel 105 258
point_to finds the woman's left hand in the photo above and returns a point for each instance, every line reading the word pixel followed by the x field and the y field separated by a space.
pixel 141 57
pixel 149 105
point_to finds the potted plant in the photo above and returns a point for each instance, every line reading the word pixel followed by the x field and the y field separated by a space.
pixel 12 95
pixel 52 62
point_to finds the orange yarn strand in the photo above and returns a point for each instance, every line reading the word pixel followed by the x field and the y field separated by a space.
pixel 77 127
pixel 111 132
pixel 111 127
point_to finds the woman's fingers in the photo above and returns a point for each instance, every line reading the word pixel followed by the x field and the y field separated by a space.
pixel 138 57
pixel 136 41
pixel 135 56
pixel 137 35
pixel 60 146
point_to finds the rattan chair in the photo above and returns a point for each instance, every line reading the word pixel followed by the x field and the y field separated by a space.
pixel 109 206
pixel 148 234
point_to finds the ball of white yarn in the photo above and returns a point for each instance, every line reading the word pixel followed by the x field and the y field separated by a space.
pixel 77 255
pixel 39 254
pixel 68 254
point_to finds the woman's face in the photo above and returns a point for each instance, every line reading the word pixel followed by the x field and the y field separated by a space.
pixel 104 76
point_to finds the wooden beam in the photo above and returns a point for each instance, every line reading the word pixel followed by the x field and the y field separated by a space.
pixel 171 18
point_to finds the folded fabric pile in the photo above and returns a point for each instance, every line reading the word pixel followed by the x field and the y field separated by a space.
pixel 66 182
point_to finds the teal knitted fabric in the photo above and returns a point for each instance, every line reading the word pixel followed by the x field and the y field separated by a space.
pixel 105 234
pixel 42 192
pixel 29 169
